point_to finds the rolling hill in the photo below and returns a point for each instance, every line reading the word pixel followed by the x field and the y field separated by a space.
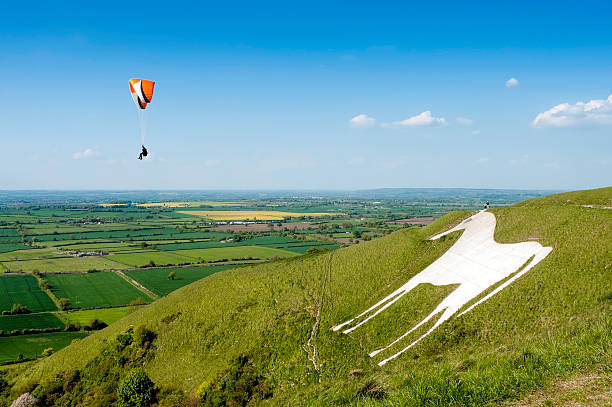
pixel 263 333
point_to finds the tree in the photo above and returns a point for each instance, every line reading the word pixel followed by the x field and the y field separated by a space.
pixel 135 390
pixel 171 275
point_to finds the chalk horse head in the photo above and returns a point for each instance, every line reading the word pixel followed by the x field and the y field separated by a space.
pixel 474 263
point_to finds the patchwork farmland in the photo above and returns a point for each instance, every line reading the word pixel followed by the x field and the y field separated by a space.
pixel 67 269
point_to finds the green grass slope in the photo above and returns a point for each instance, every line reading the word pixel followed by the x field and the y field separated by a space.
pixel 263 332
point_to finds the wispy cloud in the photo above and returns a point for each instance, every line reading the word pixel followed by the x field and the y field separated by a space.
pixel 476 132
pixel 483 160
pixel 87 153
pixel 597 112
pixel 521 160
pixel 464 121
pixel 362 121
pixel 512 82
pixel 391 164
pixel 422 119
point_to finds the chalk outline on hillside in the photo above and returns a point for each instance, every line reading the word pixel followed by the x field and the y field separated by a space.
pixel 475 262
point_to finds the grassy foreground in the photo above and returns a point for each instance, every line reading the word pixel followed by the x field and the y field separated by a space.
pixel 263 332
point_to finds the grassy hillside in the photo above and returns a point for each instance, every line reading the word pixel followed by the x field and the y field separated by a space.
pixel 263 332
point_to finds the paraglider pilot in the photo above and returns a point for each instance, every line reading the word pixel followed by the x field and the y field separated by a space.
pixel 143 153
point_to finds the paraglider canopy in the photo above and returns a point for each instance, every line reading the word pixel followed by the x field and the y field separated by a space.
pixel 142 92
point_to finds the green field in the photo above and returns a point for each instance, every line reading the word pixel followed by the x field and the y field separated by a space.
pixel 29 321
pixel 237 252
pixel 28 254
pixel 157 280
pixel 9 247
pixel 62 264
pixel 23 290
pixel 108 315
pixel 92 290
pixel 31 346
pixel 143 258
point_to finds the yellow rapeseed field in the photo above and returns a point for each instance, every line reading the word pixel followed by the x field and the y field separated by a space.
pixel 253 215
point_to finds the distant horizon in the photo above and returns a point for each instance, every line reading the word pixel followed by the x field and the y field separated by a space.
pixel 283 189
pixel 473 195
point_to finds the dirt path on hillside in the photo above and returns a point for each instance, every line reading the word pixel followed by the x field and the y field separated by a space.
pixel 311 348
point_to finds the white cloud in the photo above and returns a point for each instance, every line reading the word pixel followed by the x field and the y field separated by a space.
pixel 476 132
pixel 423 119
pixel 597 112
pixel 464 121
pixel 512 82
pixel 87 153
pixel 362 121
pixel 521 160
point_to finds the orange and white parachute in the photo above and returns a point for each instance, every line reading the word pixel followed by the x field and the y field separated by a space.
pixel 142 92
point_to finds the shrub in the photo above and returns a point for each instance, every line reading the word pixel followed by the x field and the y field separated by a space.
pixel 49 390
pixel 95 325
pixel 143 335
pixel 372 390
pixel 47 352
pixel 73 327
pixel 3 384
pixel 238 385
pixel 43 284
pixel 125 338
pixel 19 309
pixel 135 390
pixel 171 275
pixel 64 304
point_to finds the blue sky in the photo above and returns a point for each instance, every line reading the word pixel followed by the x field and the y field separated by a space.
pixel 262 94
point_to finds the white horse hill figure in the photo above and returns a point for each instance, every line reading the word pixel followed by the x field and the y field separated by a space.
pixel 475 262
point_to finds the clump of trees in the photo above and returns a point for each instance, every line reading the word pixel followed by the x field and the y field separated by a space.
pixel 95 325
pixel 17 309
